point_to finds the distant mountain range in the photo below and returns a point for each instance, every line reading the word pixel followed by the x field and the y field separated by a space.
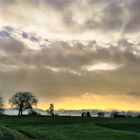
pixel 63 112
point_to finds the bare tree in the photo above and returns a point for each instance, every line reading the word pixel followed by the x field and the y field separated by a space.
pixel 23 101
pixel 1 105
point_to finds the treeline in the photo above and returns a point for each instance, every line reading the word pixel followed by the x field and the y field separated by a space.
pixel 113 114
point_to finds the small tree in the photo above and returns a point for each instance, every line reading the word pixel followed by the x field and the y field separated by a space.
pixel 51 110
pixel 1 105
pixel 23 101
pixel 88 114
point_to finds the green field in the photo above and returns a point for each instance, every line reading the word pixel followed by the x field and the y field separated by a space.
pixel 68 128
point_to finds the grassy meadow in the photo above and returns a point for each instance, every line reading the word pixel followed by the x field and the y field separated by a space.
pixel 68 128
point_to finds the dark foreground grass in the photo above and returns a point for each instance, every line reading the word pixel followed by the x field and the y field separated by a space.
pixel 68 128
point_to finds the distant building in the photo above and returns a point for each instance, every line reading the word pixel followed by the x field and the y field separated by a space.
pixel 117 115
pixel 85 114
pixel 101 114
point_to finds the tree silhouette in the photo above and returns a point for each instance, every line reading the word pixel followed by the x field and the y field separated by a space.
pixel 1 105
pixel 101 114
pixel 51 109
pixel 88 114
pixel 23 101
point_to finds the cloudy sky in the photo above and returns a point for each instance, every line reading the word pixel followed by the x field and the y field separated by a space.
pixel 75 53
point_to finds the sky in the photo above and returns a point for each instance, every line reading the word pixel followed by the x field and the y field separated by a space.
pixel 77 54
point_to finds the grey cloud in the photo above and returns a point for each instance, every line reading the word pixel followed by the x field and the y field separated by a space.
pixel 4 34
pixel 132 21
pixel 134 93
pixel 133 25
pixel 56 3
pixel 61 54
pixel 113 15
pixel 32 75
pixel 116 16
pixel 7 2
pixel 25 35
pixel 11 46
pixel 59 4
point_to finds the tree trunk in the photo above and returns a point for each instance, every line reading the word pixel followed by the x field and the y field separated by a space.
pixel 19 112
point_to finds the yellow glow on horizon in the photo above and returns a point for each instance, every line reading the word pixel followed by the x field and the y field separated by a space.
pixel 91 101
pixel 86 101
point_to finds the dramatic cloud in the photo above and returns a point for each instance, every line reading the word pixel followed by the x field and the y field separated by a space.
pixel 60 49
pixel 62 19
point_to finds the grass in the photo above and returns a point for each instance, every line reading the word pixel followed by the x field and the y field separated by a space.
pixel 68 128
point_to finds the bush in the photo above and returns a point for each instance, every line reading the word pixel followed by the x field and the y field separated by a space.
pixel 101 114
pixel 33 112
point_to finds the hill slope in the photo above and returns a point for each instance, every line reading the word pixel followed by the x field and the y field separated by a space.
pixel 68 128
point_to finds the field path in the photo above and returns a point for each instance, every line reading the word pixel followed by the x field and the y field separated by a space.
pixel 11 134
